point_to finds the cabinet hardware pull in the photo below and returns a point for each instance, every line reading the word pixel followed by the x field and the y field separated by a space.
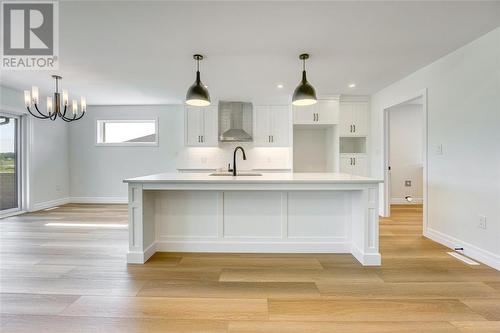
pixel 199 138
pixel 202 138
pixel 354 159
pixel 350 128
pixel 272 138
pixel 354 126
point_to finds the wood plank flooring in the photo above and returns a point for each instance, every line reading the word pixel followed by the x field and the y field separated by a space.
pixel 62 279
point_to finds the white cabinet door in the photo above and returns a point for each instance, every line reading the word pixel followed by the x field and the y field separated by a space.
pixel 280 125
pixel 193 126
pixel 360 119
pixel 346 119
pixel 201 126
pixel 272 125
pixel 210 127
pixel 354 164
pixel 305 114
pixel 360 167
pixel 353 119
pixel 346 164
pixel 328 111
pixel 262 125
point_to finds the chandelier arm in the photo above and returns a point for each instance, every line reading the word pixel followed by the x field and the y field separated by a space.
pixel 80 116
pixel 63 115
pixel 34 115
pixel 44 116
pixel 53 116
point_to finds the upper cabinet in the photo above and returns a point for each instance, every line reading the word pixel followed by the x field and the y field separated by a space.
pixel 201 126
pixel 353 118
pixel 324 112
pixel 272 125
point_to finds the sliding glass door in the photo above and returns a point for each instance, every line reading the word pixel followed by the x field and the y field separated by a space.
pixel 10 170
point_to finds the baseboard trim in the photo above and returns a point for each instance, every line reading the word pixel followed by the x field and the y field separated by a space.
pixel 486 257
pixel 141 257
pixel 50 204
pixel 251 247
pixel 99 200
pixel 366 259
pixel 402 201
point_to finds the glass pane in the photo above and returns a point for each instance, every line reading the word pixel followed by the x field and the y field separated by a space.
pixel 122 132
pixel 8 163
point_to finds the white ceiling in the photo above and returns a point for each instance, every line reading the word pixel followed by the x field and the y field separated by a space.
pixel 141 52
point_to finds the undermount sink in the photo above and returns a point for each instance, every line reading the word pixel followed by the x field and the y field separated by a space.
pixel 239 174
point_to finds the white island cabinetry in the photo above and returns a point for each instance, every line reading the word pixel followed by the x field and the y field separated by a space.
pixel 275 212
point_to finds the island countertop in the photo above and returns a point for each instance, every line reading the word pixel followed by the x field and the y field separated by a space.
pixel 265 178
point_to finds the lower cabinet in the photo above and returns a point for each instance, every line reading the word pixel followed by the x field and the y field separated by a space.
pixel 354 164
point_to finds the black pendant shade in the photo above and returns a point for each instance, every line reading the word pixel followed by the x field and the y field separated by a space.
pixel 304 94
pixel 197 94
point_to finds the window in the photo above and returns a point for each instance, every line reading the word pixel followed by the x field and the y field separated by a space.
pixel 10 166
pixel 127 132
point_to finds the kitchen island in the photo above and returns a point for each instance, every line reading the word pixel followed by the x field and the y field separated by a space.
pixel 268 213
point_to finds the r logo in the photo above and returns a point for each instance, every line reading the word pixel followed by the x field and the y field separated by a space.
pixel 28 29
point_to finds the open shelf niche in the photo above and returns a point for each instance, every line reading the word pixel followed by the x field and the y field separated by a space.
pixel 315 148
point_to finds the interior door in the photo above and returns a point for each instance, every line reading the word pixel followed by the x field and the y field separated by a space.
pixel 10 170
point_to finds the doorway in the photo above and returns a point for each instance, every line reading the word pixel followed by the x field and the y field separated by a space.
pixel 405 154
pixel 10 164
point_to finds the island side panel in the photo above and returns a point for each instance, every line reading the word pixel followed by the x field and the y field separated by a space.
pixel 141 224
pixel 365 226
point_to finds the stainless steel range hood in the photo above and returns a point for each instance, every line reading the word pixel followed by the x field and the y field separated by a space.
pixel 235 121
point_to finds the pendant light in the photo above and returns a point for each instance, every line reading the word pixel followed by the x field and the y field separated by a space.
pixel 304 94
pixel 197 94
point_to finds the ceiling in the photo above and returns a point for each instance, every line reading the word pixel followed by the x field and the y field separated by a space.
pixel 141 52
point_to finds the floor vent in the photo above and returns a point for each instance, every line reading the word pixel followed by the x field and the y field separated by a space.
pixel 463 258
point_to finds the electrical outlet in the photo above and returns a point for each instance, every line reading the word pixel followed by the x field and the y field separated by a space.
pixel 408 183
pixel 439 149
pixel 482 222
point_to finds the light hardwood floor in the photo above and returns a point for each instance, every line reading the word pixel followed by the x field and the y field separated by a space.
pixel 74 279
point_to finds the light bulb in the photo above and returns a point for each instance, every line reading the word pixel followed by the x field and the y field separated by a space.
pixel 27 98
pixel 83 104
pixel 49 104
pixel 34 94
pixel 65 97
pixel 74 107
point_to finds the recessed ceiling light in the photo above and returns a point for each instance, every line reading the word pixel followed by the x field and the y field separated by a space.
pixel 279 86
pixel 352 85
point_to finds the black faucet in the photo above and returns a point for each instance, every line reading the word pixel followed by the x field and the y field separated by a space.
pixel 234 158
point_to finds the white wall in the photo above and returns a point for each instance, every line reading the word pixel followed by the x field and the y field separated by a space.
pixel 49 153
pixel 97 171
pixel 463 103
pixel 406 152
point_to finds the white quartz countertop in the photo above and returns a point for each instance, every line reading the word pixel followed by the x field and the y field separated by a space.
pixel 265 178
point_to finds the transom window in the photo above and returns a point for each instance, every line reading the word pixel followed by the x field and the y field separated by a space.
pixel 127 132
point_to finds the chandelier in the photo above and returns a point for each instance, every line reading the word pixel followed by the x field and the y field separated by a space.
pixel 56 107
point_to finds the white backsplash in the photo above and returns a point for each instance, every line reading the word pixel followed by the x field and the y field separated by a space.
pixel 219 157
